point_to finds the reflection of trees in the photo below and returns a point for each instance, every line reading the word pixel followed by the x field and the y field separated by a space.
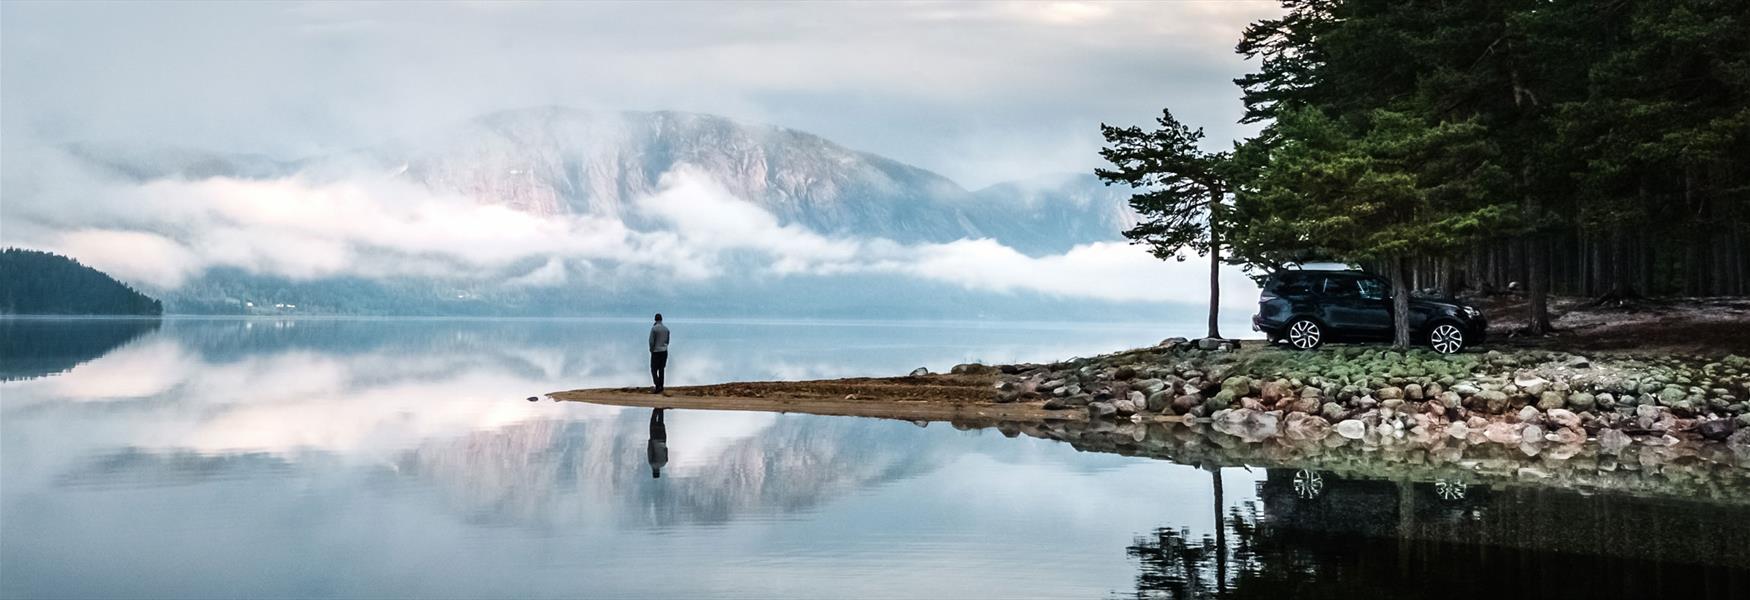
pixel 31 348
pixel 1290 552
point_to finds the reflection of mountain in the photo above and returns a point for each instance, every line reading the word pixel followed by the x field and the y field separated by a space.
pixel 32 348
pixel 1369 538
pixel 133 467
pixel 555 471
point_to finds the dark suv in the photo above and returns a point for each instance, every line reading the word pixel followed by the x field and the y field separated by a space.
pixel 1308 308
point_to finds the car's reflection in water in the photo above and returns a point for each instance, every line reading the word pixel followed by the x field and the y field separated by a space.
pixel 1318 534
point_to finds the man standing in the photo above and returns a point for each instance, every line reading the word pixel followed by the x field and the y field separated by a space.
pixel 658 352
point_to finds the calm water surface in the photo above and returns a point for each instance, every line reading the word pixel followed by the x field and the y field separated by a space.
pixel 397 458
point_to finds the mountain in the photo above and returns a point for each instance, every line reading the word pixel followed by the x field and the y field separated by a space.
pixel 566 161
pixel 41 283
pixel 555 161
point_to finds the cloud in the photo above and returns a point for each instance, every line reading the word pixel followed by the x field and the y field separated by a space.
pixel 162 233
pixel 982 92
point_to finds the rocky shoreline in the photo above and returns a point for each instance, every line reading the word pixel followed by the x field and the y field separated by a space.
pixel 1537 400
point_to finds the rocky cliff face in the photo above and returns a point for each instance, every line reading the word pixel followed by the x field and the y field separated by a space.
pixel 565 161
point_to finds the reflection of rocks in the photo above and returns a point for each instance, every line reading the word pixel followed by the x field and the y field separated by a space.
pixel 32 348
pixel 545 471
pixel 1357 448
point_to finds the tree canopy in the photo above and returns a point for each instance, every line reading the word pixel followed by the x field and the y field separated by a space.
pixel 41 283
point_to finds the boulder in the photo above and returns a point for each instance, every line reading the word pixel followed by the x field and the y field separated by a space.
pixel 1466 389
pixel 972 369
pixel 1149 386
pixel 920 372
pixel 1551 399
pixel 1124 373
pixel 1564 418
pixel 1159 401
pixel 1101 410
pixel 1389 393
pixel 1184 404
pixel 1413 392
pixel 1137 400
pixel 1716 430
pixel 1449 398
pixel 1304 405
pixel 1332 411
pixel 1239 386
pixel 1124 407
pixel 1671 395
pixel 1581 401
pixel 1272 391
pixel 1351 429
pixel 1494 400
pixel 1531 385
pixel 1058 403
pixel 1530 415
pixel 1458 430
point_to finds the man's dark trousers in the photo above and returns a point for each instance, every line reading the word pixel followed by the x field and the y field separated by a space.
pixel 658 364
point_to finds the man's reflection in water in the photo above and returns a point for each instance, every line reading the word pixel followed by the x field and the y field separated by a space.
pixel 658 447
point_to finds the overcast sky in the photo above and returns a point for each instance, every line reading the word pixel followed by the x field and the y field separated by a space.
pixel 979 92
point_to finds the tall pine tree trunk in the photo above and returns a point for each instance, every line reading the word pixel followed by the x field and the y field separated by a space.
pixel 1400 302
pixel 1537 254
pixel 1214 264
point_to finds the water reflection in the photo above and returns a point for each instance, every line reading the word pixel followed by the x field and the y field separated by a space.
pixel 658 445
pixel 31 348
pixel 1368 538
pixel 398 458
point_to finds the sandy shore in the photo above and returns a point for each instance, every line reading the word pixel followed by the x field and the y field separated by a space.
pixel 957 398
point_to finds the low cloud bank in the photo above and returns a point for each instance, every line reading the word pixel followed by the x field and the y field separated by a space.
pixel 164 233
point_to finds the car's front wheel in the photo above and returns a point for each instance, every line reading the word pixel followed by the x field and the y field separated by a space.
pixel 1305 334
pixel 1446 338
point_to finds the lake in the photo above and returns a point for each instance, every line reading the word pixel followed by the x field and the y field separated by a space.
pixel 398 458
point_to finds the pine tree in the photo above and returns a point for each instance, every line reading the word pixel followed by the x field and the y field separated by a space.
pixel 1181 197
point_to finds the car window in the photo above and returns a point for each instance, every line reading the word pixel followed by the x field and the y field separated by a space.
pixel 1342 287
pixel 1289 284
pixel 1372 289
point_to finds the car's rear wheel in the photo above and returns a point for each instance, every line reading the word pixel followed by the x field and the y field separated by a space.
pixel 1305 334
pixel 1446 338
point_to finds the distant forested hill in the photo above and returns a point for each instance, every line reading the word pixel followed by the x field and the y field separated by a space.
pixel 41 283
